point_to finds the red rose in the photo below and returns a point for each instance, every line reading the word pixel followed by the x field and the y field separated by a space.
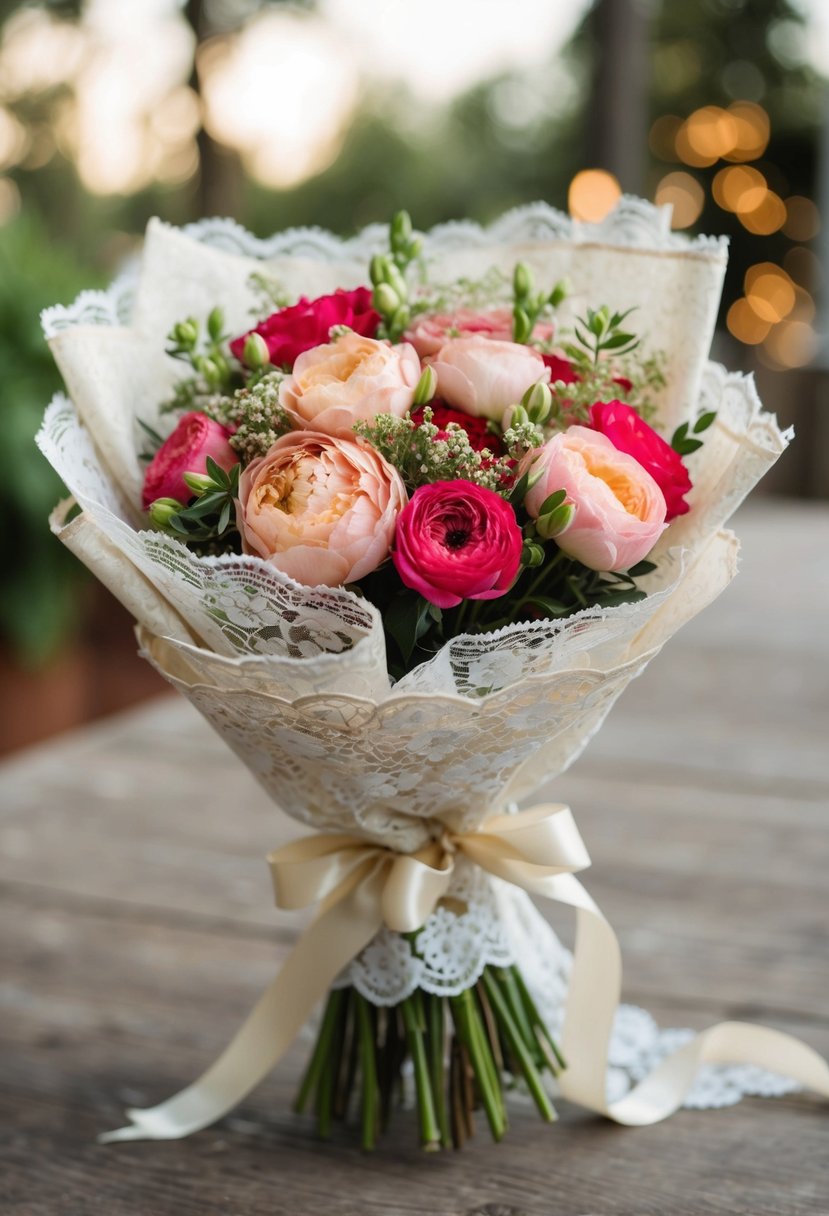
pixel 476 428
pixel 562 369
pixel 185 451
pixel 628 432
pixel 293 330
pixel 457 541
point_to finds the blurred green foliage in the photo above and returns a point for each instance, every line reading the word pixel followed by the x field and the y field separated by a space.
pixel 39 577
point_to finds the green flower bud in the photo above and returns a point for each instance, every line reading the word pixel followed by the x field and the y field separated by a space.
pixel 560 292
pixel 255 353
pixel 426 386
pixel 186 333
pixel 538 401
pixel 532 554
pixel 401 318
pixel 199 483
pixel 339 331
pixel 556 521
pixel 162 510
pixel 377 269
pixel 385 299
pixel 396 281
pixel 522 281
pixel 401 229
pixel 521 325
pixel 211 371
pixel 414 249
pixel 518 415
pixel 215 324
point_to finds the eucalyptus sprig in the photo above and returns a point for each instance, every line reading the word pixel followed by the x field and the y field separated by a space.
pixel 211 516
pixel 529 305
pixel 600 333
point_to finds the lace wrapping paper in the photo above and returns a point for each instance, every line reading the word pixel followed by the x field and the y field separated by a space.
pixel 294 678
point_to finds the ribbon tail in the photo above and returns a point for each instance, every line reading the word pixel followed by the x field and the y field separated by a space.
pixel 595 989
pixel 337 935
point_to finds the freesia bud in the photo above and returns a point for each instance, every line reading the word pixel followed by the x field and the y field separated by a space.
pixel 532 554
pixel 255 353
pixel 199 483
pixel 186 333
pixel 555 522
pixel 162 511
pixel 560 292
pixel 386 299
pixel 377 268
pixel 426 387
pixel 537 401
pixel 521 328
pixel 522 281
pixel 518 415
pixel 215 324
pixel 401 229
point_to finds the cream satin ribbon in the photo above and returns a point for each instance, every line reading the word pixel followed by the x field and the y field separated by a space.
pixel 361 886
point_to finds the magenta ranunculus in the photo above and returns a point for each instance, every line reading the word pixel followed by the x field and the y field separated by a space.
pixel 185 451
pixel 628 431
pixel 291 331
pixel 457 541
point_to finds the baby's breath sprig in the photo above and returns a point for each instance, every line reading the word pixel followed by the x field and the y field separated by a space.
pixel 256 415
pixel 421 457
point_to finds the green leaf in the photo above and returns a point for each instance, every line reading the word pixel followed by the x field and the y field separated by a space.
pixel 617 341
pixel 704 421
pixel 550 607
pixel 687 446
pixel 407 619
pixel 150 431
pixel 218 474
pixel 641 568
pixel 224 518
pixel 552 501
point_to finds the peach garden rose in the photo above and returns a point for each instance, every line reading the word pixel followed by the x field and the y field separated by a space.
pixel 320 508
pixel 348 380
pixel 619 509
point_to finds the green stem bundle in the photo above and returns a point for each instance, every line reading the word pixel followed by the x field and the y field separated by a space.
pixel 464 1052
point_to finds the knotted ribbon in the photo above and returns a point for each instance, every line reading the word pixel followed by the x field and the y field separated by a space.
pixel 360 887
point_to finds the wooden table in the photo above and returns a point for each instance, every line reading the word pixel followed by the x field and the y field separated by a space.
pixel 138 931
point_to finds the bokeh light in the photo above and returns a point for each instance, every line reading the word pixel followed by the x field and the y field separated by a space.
pixel 802 218
pixel 739 188
pixel 791 344
pixel 745 325
pixel 752 130
pixel 769 291
pixel 685 194
pixel 592 195
pixel 768 217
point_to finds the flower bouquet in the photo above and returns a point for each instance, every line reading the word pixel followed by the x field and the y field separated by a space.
pixel 402 516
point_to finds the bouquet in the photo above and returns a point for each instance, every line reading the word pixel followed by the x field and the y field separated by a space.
pixel 402 517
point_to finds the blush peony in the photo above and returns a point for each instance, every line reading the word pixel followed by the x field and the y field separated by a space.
pixel 456 540
pixel 482 376
pixel 430 332
pixel 185 451
pixel 320 508
pixel 619 509
pixel 628 431
pixel 291 331
pixel 351 379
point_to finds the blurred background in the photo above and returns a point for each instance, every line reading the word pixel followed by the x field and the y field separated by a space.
pixel 337 112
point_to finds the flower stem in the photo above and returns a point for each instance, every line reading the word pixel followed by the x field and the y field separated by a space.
pixel 436 1037
pixel 538 1022
pixel 519 1048
pixel 321 1050
pixel 471 1034
pixel 429 1129
pixel 368 1065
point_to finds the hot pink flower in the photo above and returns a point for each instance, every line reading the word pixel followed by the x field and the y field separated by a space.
pixel 456 540
pixel 619 509
pixel 320 508
pixel 430 332
pixel 307 323
pixel 185 451
pixel 628 431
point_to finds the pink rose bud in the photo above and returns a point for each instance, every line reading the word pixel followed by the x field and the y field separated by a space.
pixel 185 451
pixel 320 508
pixel 349 380
pixel 628 431
pixel 483 377
pixel 618 509
pixel 457 541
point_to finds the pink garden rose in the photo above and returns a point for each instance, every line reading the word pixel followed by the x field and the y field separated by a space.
pixel 320 508
pixel 430 332
pixel 307 323
pixel 619 509
pixel 628 431
pixel 351 379
pixel 456 540
pixel 185 451
pixel 482 376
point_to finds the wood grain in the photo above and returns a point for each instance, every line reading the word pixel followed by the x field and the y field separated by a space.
pixel 137 931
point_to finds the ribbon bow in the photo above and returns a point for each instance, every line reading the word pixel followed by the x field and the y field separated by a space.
pixel 361 886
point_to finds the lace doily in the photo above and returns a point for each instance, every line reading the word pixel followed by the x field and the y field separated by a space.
pixel 294 678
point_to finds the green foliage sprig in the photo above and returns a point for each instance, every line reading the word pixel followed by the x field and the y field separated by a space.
pixel 210 520
pixel 530 305
pixel 600 333
pixel 682 442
